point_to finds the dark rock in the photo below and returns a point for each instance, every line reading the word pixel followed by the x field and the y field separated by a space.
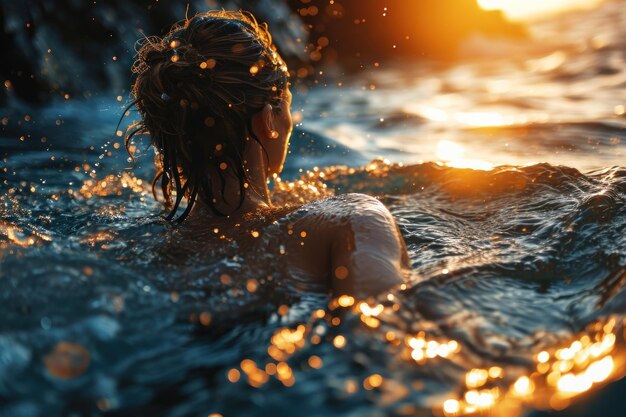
pixel 58 47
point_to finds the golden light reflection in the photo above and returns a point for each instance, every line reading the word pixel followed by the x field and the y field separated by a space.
pixel 423 348
pixel 452 154
pixel 17 236
pixel 113 185
pixel 449 151
pixel 521 9
pixel 286 341
pixel 575 368
pixel 523 386
pixel 373 381
pixel 557 375
pixel 547 63
pixel 309 188
pixel 469 119
pixel 476 378
pixel 67 360
pixel 482 119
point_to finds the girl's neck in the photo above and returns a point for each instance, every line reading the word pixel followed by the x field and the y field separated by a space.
pixel 256 192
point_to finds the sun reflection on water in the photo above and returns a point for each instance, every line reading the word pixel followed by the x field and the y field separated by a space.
pixel 453 155
pixel 17 236
pixel 519 9
pixel 558 374
pixel 482 119
pixel 468 119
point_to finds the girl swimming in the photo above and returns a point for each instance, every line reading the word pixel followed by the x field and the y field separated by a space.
pixel 214 96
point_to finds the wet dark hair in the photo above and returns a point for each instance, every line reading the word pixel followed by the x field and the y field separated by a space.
pixel 196 91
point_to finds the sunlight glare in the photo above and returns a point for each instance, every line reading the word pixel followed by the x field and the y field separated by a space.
pixel 452 153
pixel 449 151
pixel 520 9
pixel 481 119
pixel 472 119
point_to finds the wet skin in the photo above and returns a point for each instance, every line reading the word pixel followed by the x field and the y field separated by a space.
pixel 352 243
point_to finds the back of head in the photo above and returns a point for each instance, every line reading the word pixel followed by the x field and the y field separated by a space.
pixel 196 91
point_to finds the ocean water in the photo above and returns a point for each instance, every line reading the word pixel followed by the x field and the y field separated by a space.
pixel 505 173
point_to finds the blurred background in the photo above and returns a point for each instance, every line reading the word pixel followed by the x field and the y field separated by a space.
pixel 514 82
pixel 80 47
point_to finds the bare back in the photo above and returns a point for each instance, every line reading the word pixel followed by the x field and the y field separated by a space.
pixel 347 244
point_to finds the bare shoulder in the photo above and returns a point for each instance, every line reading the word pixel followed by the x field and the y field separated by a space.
pixel 332 215
pixel 342 207
pixel 348 238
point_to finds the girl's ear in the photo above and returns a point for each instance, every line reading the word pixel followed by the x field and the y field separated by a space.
pixel 263 124
pixel 268 122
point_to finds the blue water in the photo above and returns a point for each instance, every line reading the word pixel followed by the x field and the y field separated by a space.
pixel 107 310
